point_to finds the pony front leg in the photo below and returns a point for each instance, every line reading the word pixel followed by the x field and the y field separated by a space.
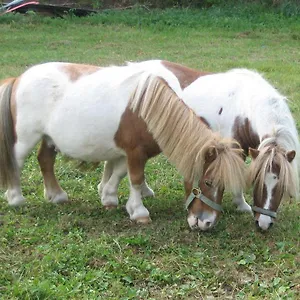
pixel 114 172
pixel 46 158
pixel 134 206
pixel 240 202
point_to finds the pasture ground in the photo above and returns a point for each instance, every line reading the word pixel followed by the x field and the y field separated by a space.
pixel 81 251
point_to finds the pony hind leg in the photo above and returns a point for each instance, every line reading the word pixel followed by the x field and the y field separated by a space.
pixel 146 190
pixel 114 172
pixel 107 173
pixel 13 193
pixel 21 150
pixel 240 202
pixel 137 211
pixel 46 158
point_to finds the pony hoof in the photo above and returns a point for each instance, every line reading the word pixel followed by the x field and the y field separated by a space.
pixel 110 207
pixel 245 208
pixel 14 199
pixel 60 198
pixel 17 201
pixel 143 220
pixel 148 193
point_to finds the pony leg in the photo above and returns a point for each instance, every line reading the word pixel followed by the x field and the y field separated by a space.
pixel 109 197
pixel 240 202
pixel 146 190
pixel 108 170
pixel 14 193
pixel 134 206
pixel 52 190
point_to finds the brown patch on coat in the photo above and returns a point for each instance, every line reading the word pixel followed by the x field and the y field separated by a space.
pixel 75 71
pixel 276 196
pixel 266 136
pixel 134 138
pixel 203 120
pixel 184 74
pixel 244 134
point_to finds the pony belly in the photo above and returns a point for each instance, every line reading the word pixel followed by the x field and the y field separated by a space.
pixel 85 147
pixel 95 151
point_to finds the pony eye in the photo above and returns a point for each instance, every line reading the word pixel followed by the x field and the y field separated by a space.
pixel 208 183
pixel 274 177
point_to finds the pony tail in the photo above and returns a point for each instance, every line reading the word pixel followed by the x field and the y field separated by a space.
pixel 8 164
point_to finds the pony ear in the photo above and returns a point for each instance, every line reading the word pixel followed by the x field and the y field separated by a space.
pixel 253 152
pixel 211 154
pixel 290 155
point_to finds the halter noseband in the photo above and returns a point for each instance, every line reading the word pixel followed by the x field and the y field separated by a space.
pixel 196 193
pixel 264 211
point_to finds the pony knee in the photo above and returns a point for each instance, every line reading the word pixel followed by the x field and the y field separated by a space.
pixel 109 198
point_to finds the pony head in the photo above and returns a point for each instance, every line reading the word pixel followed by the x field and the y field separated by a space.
pixel 224 168
pixel 273 177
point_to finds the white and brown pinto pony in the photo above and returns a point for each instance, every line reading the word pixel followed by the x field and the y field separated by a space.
pixel 117 114
pixel 241 104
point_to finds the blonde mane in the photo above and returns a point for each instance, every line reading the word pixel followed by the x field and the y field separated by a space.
pixel 228 169
pixel 271 152
pixel 183 137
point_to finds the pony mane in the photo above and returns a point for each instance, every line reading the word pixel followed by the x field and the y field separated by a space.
pixel 228 169
pixel 271 152
pixel 183 137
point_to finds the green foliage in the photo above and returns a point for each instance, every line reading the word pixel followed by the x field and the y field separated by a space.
pixel 81 251
pixel 237 17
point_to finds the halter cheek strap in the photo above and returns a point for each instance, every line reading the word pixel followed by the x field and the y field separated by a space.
pixel 265 212
pixel 204 199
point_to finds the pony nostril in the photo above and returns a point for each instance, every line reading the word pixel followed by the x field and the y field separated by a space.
pixel 207 224
pixel 271 224
pixel 257 224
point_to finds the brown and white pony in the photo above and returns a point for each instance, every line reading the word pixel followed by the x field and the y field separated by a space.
pixel 241 104
pixel 117 114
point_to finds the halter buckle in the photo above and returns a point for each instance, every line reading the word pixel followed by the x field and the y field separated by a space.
pixel 196 193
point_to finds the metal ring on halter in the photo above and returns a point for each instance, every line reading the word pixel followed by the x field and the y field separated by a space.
pixel 196 193
pixel 264 211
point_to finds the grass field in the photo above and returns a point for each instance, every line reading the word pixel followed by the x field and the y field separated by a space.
pixel 81 251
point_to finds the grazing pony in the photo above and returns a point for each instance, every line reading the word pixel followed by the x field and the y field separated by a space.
pixel 241 104
pixel 118 114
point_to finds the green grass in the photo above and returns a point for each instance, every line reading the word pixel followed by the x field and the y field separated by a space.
pixel 79 250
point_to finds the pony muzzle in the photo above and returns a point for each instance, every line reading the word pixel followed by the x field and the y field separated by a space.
pixel 264 217
pixel 203 215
